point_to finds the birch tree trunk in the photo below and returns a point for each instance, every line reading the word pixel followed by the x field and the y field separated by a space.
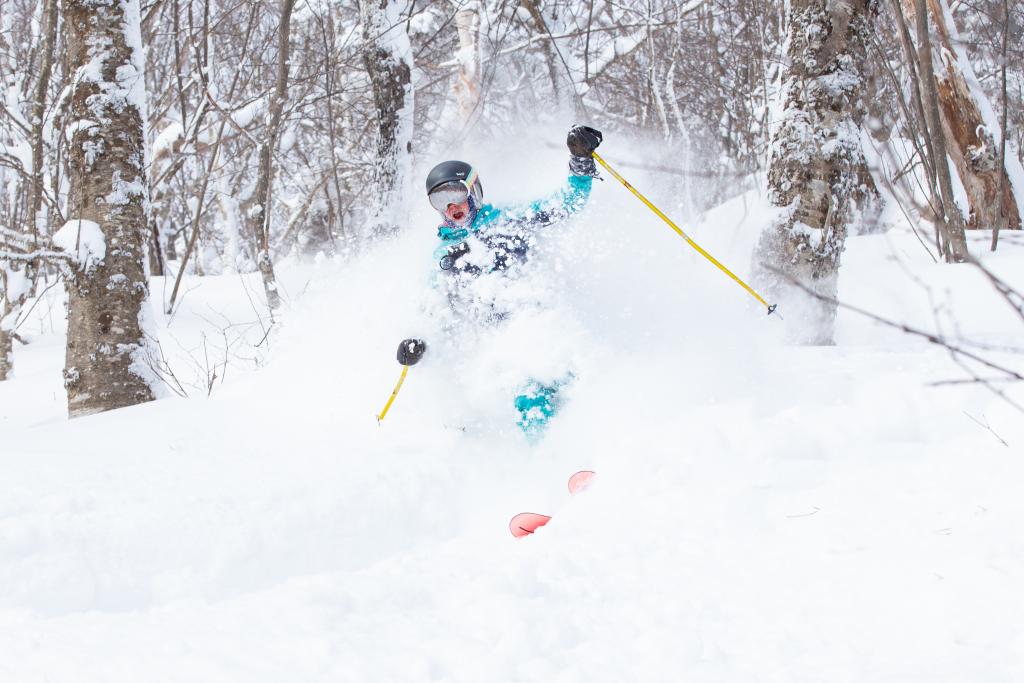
pixel 815 160
pixel 467 88
pixel 387 55
pixel 970 127
pixel 259 216
pixel 108 295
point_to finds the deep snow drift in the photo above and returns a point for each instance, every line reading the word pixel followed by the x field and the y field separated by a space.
pixel 761 512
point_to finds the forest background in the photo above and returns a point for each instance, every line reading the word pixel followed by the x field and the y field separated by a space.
pixel 268 130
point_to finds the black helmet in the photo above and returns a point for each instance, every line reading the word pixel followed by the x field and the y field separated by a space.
pixel 456 171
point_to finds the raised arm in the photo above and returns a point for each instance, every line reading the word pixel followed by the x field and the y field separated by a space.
pixel 571 197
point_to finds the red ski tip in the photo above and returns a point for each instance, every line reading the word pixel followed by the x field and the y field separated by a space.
pixel 525 523
pixel 580 481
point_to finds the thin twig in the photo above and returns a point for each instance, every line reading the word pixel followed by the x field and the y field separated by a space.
pixel 38 298
pixel 957 352
pixel 986 425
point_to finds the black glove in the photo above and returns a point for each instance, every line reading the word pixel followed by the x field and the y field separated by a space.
pixel 582 141
pixel 410 351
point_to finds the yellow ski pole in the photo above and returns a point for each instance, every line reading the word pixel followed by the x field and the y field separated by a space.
pixel 387 406
pixel 409 353
pixel 700 250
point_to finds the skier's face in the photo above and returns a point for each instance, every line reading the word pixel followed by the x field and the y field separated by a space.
pixel 458 213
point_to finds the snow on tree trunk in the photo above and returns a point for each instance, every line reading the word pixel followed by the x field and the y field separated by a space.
pixel 815 161
pixel 107 206
pixel 387 55
pixel 971 129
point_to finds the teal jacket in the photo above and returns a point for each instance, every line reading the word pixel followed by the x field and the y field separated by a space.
pixel 508 232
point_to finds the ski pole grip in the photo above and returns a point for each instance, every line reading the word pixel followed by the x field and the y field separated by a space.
pixel 410 351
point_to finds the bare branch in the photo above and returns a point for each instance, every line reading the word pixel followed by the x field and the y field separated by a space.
pixel 40 254
pixel 903 327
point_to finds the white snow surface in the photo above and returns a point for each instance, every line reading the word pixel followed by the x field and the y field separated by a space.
pixel 82 239
pixel 761 512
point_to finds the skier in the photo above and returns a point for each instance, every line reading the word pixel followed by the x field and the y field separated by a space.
pixel 480 242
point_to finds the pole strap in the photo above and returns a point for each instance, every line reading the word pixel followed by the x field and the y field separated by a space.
pixel 700 250
pixel 387 406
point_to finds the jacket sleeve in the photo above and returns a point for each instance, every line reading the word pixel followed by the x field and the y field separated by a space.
pixel 568 200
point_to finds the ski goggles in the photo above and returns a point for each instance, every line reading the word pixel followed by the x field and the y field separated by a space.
pixel 455 192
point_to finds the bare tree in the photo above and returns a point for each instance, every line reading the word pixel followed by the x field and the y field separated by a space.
pixel 1003 120
pixel 387 56
pixel 816 155
pixel 550 49
pixel 467 93
pixel 954 242
pixel 969 133
pixel 918 129
pixel 259 216
pixel 39 102
pixel 18 277
pixel 954 115
pixel 106 231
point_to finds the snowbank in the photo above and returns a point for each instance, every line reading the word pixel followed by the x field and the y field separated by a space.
pixel 761 512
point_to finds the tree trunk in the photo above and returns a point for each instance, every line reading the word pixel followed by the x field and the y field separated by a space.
pixel 49 38
pixel 954 241
pixel 334 212
pixel 927 151
pixel 970 128
pixel 6 347
pixel 548 46
pixel 1002 123
pixel 13 301
pixel 467 88
pixel 17 280
pixel 259 217
pixel 816 157
pixel 387 56
pixel 106 366
pixel 6 353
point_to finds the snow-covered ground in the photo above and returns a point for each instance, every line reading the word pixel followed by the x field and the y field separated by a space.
pixel 761 512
